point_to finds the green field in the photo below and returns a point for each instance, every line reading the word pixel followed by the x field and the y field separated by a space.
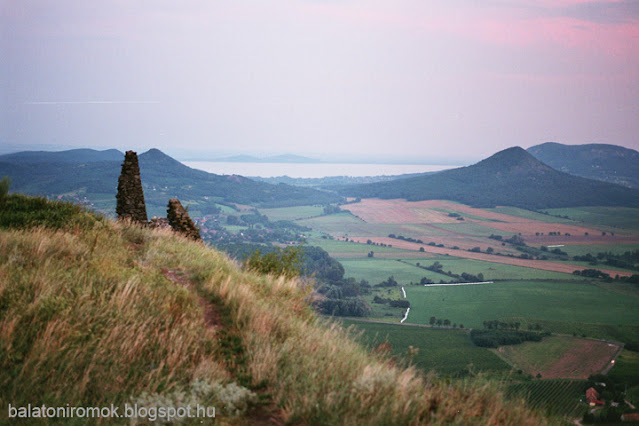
pixel 556 397
pixel 626 368
pixel 343 249
pixel 339 225
pixel 292 213
pixel 377 270
pixel 448 352
pixel 615 217
pixel 528 214
pixel 490 270
pixel 581 250
pixel 357 265
pixel 406 271
pixel 628 334
pixel 532 300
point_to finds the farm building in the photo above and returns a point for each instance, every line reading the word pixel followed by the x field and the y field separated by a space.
pixel 630 417
pixel 592 397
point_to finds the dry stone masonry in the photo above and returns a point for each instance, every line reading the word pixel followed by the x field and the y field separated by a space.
pixel 180 220
pixel 130 196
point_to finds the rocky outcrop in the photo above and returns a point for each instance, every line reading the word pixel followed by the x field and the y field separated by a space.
pixel 180 220
pixel 130 196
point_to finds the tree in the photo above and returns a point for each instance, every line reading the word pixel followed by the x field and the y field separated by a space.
pixel 4 188
pixel 446 322
pixel 432 320
pixel 285 262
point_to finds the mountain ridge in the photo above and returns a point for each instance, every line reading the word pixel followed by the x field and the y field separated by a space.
pixel 604 162
pixel 163 178
pixel 79 155
pixel 512 177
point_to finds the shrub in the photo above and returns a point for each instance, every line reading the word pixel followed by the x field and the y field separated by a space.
pixel 285 262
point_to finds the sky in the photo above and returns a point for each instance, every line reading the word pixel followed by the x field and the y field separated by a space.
pixel 422 80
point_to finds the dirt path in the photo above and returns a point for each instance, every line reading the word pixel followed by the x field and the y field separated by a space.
pixel 262 415
pixel 212 317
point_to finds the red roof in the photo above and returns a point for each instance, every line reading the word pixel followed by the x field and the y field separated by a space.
pixel 592 395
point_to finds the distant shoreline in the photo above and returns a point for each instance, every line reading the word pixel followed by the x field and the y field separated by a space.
pixel 312 170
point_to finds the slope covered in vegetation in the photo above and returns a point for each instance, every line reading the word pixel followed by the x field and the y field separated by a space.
pixel 511 177
pixel 94 312
pixel 92 174
pixel 608 163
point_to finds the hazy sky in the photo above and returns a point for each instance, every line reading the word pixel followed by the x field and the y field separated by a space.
pixel 395 78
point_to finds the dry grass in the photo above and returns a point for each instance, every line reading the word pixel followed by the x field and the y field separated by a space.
pixel 88 318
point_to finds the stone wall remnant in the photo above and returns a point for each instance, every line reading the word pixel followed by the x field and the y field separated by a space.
pixel 180 220
pixel 130 197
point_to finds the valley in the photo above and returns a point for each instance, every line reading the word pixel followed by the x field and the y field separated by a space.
pixel 415 278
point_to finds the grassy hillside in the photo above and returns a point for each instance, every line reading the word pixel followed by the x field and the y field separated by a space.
pixel 94 313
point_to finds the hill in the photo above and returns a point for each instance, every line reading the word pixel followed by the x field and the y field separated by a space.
pixel 52 174
pixel 511 177
pixel 81 155
pixel 150 318
pixel 608 163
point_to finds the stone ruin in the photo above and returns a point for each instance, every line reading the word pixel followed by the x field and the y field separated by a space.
pixel 130 196
pixel 131 204
pixel 180 220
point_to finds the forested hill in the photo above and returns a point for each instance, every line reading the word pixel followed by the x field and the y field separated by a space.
pixel 608 163
pixel 81 155
pixel 511 177
pixel 93 172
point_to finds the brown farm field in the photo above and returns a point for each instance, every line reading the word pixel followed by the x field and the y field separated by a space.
pixel 561 357
pixel 374 210
pixel 429 221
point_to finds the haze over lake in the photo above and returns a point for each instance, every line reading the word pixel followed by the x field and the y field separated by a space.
pixel 312 170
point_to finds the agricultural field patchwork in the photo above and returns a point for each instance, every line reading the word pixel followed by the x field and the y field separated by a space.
pixel 557 397
pixel 613 217
pixel 533 300
pixel 560 357
pixel 448 352
pixel 537 291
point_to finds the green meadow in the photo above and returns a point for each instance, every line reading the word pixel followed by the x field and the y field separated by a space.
pixel 292 213
pixel 616 217
pixel 580 302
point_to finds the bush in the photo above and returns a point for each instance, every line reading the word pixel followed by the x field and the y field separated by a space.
pixel 4 188
pixel 343 307
pixel 285 262
pixel 495 338
pixel 399 303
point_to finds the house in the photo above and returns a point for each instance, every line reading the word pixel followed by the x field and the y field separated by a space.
pixel 630 417
pixel 592 397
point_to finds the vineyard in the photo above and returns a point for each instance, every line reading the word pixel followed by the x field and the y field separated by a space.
pixel 556 397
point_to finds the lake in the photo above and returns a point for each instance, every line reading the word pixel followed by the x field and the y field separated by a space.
pixel 311 170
